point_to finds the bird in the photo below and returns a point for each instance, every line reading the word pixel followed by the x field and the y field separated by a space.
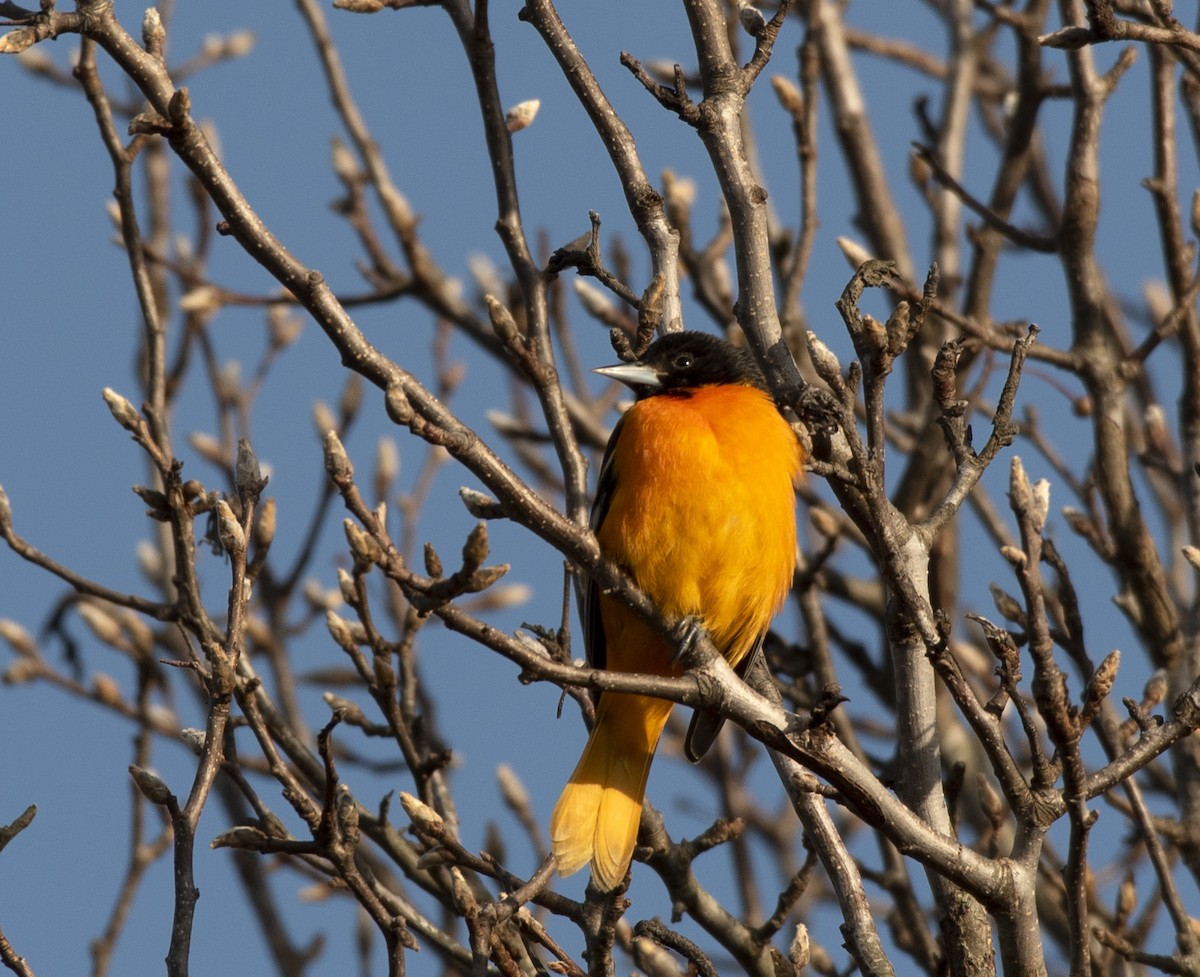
pixel 695 500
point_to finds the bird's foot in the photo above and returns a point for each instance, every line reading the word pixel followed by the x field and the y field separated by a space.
pixel 687 633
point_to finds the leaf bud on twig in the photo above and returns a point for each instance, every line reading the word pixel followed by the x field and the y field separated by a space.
pixel 179 108
pixel 1157 432
pixel 480 505
pixel 14 42
pixel 1041 502
pixel 337 462
pixel 1099 686
pixel 521 115
pixel 243 836
pixel 476 548
pixel 339 630
pixel 397 405
pixel 124 412
pixel 20 640
pixel 22 670
pixel 264 524
pixel 824 361
pixel 1192 555
pixel 359 6
pixel 139 632
pixel 239 44
pixel 100 622
pixel 511 789
pixel 800 951
pixel 362 545
pixel 387 466
pixel 503 324
pixel 1067 38
pixel 351 713
pixel 421 814
pixel 395 204
pixel 788 94
pixel 201 300
pixel 248 476
pixel 150 561
pixel 106 689
pixel 680 192
pixel 751 19
pixel 320 599
pixel 502 598
pixel 347 587
pixel 208 448
pixel 229 530
pixel 193 739
pixel 157 506
pixel 161 719
pixel 148 124
pixel 347 812
pixel 283 327
pixel 486 576
pixel 855 253
pixel 1014 555
pixel 151 785
pixel 323 419
pixel 433 563
pixel 320 891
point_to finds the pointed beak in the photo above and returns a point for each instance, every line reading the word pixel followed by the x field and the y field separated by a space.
pixel 633 375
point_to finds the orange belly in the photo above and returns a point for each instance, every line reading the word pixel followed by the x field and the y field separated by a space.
pixel 708 526
pixel 703 517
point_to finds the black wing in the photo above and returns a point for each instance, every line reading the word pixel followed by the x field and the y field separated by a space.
pixel 703 729
pixel 593 628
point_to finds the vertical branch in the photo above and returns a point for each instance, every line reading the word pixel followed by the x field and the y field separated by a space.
pixel 1030 503
pixel 952 137
pixel 1137 559
pixel 718 123
pixel 152 324
pixel 1179 255
pixel 476 38
pixel 862 937
pixel 645 203
pixel 802 106
pixel 878 215
pixel 220 684
pixel 1015 162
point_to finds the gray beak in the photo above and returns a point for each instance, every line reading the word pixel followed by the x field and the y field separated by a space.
pixel 632 374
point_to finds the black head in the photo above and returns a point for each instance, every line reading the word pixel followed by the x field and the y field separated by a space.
pixel 683 361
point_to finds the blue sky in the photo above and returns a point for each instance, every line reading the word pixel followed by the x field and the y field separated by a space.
pixel 69 324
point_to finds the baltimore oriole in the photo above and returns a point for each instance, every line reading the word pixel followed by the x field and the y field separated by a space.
pixel 695 499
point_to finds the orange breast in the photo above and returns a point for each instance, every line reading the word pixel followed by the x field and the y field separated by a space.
pixel 703 516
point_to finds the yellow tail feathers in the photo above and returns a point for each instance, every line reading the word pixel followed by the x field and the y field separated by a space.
pixel 596 818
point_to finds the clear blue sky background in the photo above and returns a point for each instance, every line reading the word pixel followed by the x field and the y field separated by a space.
pixel 69 322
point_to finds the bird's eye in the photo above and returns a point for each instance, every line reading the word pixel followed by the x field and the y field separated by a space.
pixel 683 361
